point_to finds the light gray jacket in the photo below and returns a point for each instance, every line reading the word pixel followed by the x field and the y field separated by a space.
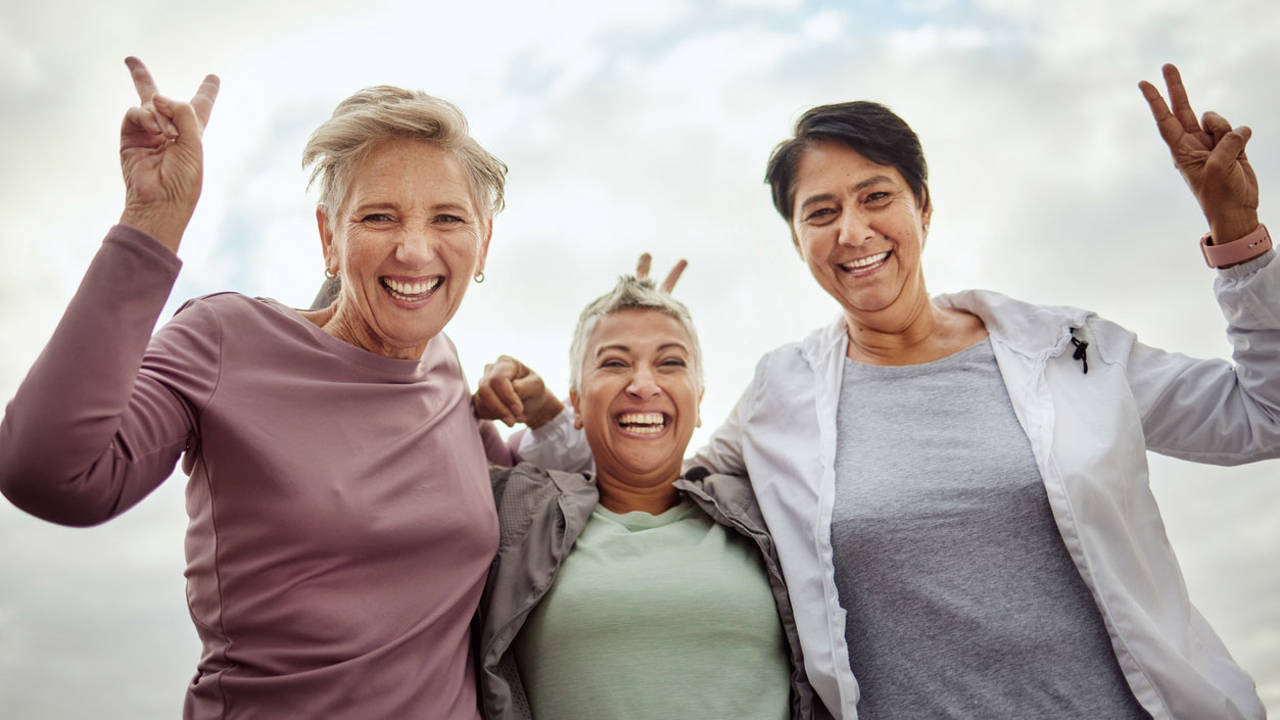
pixel 541 513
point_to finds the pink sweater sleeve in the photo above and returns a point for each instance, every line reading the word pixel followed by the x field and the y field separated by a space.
pixel 105 412
pixel 499 451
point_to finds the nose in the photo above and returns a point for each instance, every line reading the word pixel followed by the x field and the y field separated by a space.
pixel 416 247
pixel 643 384
pixel 854 229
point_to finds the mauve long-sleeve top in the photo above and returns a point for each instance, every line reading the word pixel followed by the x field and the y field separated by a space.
pixel 341 520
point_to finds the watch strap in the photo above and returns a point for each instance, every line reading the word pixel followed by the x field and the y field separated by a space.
pixel 1248 247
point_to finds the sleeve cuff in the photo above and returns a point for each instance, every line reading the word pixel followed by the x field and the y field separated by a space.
pixel 557 429
pixel 1247 268
pixel 558 445
pixel 144 244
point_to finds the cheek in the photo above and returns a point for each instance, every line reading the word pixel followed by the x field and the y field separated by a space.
pixel 815 245
pixel 354 247
pixel 463 251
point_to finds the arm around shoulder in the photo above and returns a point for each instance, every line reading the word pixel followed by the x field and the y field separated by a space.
pixel 557 445
pixel 723 452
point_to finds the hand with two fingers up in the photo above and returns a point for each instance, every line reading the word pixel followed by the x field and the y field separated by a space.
pixel 162 157
pixel 1210 154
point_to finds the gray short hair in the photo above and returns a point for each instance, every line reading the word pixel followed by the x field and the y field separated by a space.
pixel 385 112
pixel 629 294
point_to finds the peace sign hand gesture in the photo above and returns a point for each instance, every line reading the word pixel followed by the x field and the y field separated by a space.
pixel 162 158
pixel 1210 156
pixel 673 276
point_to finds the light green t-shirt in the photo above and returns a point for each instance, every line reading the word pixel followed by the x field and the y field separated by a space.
pixel 656 616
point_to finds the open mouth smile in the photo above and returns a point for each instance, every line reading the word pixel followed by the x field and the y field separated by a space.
pixel 867 265
pixel 413 291
pixel 643 423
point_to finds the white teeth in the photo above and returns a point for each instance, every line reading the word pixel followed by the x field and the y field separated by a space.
pixel 644 429
pixel 420 287
pixel 867 261
pixel 643 423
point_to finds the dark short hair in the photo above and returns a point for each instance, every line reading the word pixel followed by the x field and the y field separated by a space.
pixel 869 128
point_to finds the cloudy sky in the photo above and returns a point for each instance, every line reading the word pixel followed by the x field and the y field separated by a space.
pixel 627 126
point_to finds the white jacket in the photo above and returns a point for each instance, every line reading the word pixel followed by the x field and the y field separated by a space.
pixel 1089 433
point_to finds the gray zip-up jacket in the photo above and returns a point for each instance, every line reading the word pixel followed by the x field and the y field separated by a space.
pixel 541 513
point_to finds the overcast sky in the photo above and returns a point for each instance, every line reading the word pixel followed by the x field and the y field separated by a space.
pixel 627 126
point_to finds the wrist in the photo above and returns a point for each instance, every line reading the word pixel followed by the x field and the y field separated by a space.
pixel 1237 250
pixel 165 228
pixel 1228 228
pixel 543 411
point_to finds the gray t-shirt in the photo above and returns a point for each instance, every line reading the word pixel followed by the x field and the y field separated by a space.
pixel 962 600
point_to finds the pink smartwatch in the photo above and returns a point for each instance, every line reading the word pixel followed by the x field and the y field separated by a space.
pixel 1245 248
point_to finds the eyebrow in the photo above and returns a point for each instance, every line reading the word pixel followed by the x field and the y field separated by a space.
pixel 451 207
pixel 626 348
pixel 828 197
pixel 388 205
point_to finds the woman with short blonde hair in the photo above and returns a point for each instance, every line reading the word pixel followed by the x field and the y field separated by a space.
pixel 341 519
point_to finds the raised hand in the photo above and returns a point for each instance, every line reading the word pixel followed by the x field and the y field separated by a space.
pixel 162 157
pixel 511 392
pixel 642 272
pixel 1210 155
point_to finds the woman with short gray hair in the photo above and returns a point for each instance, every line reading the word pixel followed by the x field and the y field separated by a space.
pixel 341 518
pixel 637 591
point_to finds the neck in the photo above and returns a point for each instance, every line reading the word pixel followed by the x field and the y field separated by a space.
pixel 622 497
pixel 910 332
pixel 347 325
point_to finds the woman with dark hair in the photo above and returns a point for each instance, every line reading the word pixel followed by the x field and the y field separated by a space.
pixel 957 485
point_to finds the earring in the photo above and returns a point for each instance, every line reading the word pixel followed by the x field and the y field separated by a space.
pixel 331 274
pixel 479 277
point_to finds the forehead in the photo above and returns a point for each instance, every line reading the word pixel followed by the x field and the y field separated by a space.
pixel 409 168
pixel 638 329
pixel 827 166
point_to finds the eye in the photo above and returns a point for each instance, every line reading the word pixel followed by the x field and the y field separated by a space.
pixel 376 218
pixel 878 197
pixel 612 363
pixel 820 215
pixel 448 219
pixel 673 362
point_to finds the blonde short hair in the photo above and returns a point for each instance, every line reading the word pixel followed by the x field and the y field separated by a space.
pixel 629 294
pixel 385 112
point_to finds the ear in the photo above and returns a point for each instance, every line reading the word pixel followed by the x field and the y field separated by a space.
pixel 926 213
pixel 326 240
pixel 795 241
pixel 484 245
pixel 577 413
pixel 698 417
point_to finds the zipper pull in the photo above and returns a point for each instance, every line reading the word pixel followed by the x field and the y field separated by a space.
pixel 1079 353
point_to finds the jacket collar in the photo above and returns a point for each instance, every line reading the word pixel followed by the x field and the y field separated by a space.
pixel 1028 329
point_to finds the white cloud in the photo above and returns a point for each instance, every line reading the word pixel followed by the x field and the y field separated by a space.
pixel 627 127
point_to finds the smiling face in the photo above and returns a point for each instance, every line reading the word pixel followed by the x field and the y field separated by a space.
pixel 861 230
pixel 639 397
pixel 407 240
